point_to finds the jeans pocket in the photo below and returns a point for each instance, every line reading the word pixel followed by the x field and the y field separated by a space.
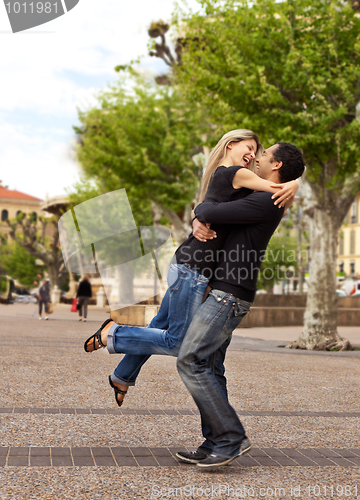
pixel 234 317
pixel 175 276
pixel 199 285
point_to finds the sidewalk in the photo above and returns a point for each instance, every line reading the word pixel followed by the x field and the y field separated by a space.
pixel 61 312
pixel 63 437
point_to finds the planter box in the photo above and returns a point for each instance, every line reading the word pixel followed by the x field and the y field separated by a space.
pixel 268 310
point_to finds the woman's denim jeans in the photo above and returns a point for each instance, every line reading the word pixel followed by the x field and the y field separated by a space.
pixel 165 332
pixel 200 365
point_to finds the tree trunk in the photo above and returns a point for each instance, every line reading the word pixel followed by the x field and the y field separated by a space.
pixel 53 272
pixel 125 282
pixel 320 319
pixel 180 228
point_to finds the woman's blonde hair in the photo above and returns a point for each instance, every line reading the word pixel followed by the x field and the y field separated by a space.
pixel 219 153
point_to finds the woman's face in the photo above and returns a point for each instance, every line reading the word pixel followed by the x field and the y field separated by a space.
pixel 243 152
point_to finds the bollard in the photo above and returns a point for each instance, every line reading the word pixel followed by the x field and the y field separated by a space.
pixel 55 295
pixel 100 298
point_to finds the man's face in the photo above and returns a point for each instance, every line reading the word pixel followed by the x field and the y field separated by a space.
pixel 264 165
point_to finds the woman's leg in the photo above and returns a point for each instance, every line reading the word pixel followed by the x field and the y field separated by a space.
pixel 40 308
pixel 178 306
pixel 185 296
pixel 80 304
pixel 46 309
pixel 85 303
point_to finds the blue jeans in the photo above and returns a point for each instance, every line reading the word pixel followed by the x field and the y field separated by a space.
pixel 200 365
pixel 165 332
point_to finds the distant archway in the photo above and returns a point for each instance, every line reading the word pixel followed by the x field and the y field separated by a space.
pixel 4 215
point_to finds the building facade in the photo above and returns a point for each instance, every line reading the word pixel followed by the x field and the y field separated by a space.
pixel 12 203
pixel 349 242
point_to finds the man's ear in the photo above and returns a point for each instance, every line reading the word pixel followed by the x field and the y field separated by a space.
pixel 277 166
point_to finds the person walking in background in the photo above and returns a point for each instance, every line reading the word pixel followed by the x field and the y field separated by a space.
pixel 83 295
pixel 44 299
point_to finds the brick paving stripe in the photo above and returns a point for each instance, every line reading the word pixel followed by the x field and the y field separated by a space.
pixel 126 411
pixel 102 456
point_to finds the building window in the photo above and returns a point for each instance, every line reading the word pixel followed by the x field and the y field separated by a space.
pixel 352 267
pixel 18 213
pixel 341 267
pixel 341 244
pixel 34 217
pixel 352 242
pixel 4 215
pixel 353 213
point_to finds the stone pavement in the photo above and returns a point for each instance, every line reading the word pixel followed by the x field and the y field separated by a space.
pixel 62 435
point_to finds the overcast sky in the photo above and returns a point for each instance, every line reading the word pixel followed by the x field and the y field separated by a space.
pixel 49 71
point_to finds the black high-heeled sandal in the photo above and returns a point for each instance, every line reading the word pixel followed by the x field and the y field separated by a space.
pixel 117 391
pixel 97 337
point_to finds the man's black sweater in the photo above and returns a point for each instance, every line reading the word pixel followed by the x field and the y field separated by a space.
pixel 255 219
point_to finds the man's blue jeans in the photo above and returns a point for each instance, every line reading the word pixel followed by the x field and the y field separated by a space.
pixel 200 365
pixel 165 332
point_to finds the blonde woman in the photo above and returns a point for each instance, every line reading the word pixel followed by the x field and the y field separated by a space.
pixel 228 177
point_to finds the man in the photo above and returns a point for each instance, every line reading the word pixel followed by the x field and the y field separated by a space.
pixel 233 288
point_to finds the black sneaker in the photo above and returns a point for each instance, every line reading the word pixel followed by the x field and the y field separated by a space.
pixel 214 460
pixel 192 457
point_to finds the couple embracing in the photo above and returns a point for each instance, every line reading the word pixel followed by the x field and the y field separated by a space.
pixel 211 286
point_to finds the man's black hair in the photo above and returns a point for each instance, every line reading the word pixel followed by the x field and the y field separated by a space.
pixel 293 165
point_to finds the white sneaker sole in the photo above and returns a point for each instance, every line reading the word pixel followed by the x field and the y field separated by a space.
pixel 220 464
pixel 245 451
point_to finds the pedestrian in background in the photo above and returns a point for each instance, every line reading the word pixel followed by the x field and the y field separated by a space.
pixel 44 298
pixel 83 295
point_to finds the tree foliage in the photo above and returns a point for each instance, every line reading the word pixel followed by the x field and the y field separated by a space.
pixel 19 264
pixel 40 239
pixel 288 70
pixel 142 138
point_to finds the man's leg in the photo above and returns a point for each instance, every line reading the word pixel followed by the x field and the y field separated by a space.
pixel 216 363
pixel 212 325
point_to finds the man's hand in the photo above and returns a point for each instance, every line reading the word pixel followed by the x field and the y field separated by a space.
pixel 202 232
pixel 286 194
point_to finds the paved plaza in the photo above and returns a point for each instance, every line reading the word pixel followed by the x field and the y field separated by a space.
pixel 63 437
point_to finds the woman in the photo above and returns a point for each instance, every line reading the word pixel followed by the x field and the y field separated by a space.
pixel 84 293
pixel 227 178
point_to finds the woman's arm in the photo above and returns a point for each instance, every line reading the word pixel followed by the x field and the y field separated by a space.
pixel 246 178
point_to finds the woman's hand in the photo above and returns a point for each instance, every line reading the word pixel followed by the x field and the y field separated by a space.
pixel 202 232
pixel 286 194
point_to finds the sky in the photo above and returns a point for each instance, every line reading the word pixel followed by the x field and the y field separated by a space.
pixel 50 71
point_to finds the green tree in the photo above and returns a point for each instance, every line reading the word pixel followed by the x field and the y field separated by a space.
pixel 18 264
pixel 291 72
pixel 40 239
pixel 142 137
pixel 3 284
pixel 279 261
